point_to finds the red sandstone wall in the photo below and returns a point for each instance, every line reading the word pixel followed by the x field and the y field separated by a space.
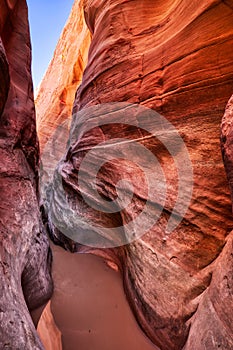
pixel 25 257
pixel 174 57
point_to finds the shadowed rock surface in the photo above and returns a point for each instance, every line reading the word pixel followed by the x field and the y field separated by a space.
pixel 25 256
pixel 174 57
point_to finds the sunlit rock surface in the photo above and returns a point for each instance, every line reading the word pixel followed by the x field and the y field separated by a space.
pixel 176 58
pixel 55 97
pixel 25 257
pixel 48 331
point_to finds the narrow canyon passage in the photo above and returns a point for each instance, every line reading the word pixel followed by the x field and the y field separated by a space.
pixel 174 58
pixel 140 89
pixel 90 306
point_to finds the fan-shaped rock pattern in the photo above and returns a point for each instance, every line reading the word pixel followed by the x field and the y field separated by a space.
pixel 176 58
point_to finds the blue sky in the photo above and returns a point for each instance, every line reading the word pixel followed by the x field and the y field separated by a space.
pixel 47 19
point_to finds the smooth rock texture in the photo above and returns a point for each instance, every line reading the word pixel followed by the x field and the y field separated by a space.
pixel 25 257
pixel 48 331
pixel 90 307
pixel 174 57
pixel 55 97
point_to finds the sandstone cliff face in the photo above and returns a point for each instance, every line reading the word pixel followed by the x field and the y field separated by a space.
pixel 56 93
pixel 176 58
pixel 24 252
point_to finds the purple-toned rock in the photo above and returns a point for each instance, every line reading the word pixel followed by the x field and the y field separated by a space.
pixel 25 257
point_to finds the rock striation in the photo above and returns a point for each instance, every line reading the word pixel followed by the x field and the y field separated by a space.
pixel 175 58
pixel 25 256
pixel 55 97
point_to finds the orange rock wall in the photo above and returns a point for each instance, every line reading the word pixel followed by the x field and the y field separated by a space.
pixel 48 331
pixel 55 97
pixel 174 57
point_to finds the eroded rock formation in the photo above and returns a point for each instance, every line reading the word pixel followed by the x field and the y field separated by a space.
pixel 174 57
pixel 56 93
pixel 25 257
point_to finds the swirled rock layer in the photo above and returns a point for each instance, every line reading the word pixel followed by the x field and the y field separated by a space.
pixel 175 58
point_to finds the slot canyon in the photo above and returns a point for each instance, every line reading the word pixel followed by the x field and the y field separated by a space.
pixel 117 179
